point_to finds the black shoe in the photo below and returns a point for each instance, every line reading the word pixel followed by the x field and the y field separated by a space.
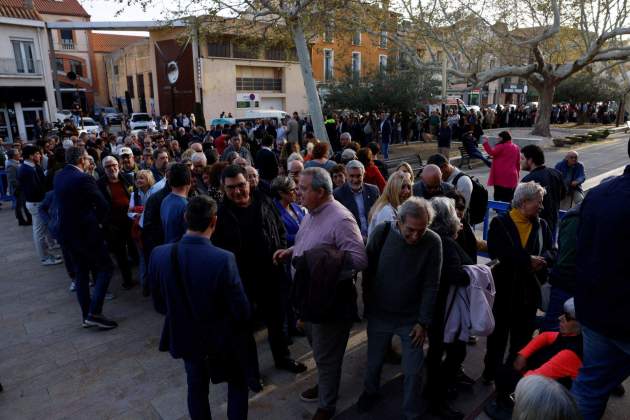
pixel 101 322
pixel 310 395
pixel 1 388
pixel 367 402
pixel 464 380
pixel 291 365
pixel 24 224
pixel 392 358
pixel 445 411
pixel 255 385
pixel 618 391
pixel 128 285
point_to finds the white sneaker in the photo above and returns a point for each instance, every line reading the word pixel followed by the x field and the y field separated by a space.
pixel 73 286
pixel 52 260
pixel 110 296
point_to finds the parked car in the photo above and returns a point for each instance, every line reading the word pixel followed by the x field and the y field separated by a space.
pixel 63 114
pixel 88 125
pixel 141 120
pixel 105 110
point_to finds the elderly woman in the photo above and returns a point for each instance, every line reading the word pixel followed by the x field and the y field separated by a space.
pixel 443 373
pixel 372 174
pixel 522 242
pixel 554 354
pixel 285 198
pixel 540 398
pixel 385 209
pixel 137 200
pixel 339 175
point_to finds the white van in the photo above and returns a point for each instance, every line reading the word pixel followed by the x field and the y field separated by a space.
pixel 264 114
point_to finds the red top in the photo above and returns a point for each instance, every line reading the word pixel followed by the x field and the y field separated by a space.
pixel 564 364
pixel 506 164
pixel 219 144
pixel 373 176
pixel 120 200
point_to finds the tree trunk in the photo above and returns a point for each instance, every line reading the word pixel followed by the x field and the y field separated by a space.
pixel 543 117
pixel 314 106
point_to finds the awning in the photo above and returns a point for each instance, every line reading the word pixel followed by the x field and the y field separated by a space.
pixel 22 94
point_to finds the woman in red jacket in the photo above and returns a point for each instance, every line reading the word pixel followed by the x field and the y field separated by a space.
pixel 372 174
pixel 506 166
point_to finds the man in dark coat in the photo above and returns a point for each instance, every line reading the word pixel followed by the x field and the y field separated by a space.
pixel 250 227
pixel 357 196
pixel 533 160
pixel 82 208
pixel 193 280
pixel 266 160
pixel 430 184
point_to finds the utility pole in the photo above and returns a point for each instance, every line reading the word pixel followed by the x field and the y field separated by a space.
pixel 444 82
pixel 53 64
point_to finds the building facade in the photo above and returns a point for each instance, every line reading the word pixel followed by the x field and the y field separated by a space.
pixel 26 88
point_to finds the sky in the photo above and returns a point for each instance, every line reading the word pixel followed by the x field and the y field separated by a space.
pixel 104 10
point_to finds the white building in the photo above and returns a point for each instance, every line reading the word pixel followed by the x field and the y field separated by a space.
pixel 26 86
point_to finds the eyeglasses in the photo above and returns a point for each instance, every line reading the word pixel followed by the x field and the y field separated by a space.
pixel 241 186
pixel 113 165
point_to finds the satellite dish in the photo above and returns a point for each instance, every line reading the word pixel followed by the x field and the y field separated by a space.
pixel 172 72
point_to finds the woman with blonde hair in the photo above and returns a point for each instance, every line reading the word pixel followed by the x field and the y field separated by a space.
pixel 397 190
pixel 405 167
pixel 137 201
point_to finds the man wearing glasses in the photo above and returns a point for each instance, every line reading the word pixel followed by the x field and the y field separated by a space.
pixel 249 226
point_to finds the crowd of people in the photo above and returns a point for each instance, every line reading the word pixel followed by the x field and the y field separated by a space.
pixel 236 226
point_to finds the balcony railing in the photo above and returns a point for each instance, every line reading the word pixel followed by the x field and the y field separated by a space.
pixel 9 66
pixel 67 44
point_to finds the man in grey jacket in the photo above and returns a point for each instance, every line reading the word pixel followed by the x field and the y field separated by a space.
pixel 399 289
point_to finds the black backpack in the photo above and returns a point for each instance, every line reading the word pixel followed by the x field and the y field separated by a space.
pixel 478 199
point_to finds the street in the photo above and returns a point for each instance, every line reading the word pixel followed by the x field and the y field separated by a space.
pixel 52 368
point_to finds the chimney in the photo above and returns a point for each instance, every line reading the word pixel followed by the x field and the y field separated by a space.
pixel 28 4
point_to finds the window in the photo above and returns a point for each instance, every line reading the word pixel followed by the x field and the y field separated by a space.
pixel 249 84
pixel 150 77
pixel 329 58
pixel 245 51
pixel 77 67
pixel 383 43
pixel 59 64
pixel 140 85
pixel 382 63
pixel 24 51
pixel 219 49
pixel 275 53
pixel 356 38
pixel 329 33
pixel 116 70
pixel 356 64
pixel 130 86
pixel 67 40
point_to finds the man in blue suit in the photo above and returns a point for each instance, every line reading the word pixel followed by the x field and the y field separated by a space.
pixel 357 196
pixel 197 286
pixel 82 209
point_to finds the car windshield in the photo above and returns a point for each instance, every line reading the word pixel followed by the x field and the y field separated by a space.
pixel 88 122
pixel 141 117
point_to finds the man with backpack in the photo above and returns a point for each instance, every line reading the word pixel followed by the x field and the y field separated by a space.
pixel 400 288
pixel 475 194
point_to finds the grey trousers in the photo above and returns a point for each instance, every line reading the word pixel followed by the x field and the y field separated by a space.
pixel 380 332
pixel 328 342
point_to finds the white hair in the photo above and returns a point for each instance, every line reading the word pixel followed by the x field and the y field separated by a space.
pixel 445 222
pixel 320 179
pixel 355 164
pixel 346 134
pixel 294 156
pixel 541 398
pixel 296 162
pixel 415 207
pixel 526 191
pixel 108 159
pixel 199 157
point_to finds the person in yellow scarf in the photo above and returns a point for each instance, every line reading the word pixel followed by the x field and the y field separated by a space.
pixel 522 242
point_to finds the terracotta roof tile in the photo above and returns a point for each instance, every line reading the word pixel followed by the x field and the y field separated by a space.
pixel 52 7
pixel 111 42
pixel 19 12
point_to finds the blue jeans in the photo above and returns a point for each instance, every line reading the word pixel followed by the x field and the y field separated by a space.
pixel 556 308
pixel 380 334
pixel 606 364
pixel 476 153
pixel 93 259
pixel 198 378
pixel 385 150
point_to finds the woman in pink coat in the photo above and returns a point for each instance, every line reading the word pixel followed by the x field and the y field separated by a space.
pixel 506 166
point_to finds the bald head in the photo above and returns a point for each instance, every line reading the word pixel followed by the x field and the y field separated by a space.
pixel 196 147
pixel 571 157
pixel 431 175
